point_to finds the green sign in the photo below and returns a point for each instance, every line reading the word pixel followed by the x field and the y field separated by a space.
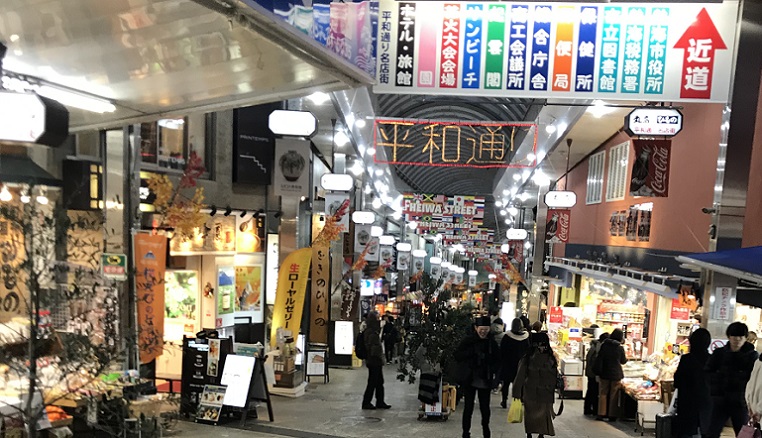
pixel 114 266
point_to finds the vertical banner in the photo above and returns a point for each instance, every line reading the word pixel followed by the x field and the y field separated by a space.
pixel 557 228
pixel 319 303
pixel 588 30
pixel 540 69
pixel 403 261
pixel 722 305
pixel 495 50
pixel 657 50
pixel 405 45
pixel 350 298
pixel 517 48
pixel 373 250
pixel 650 171
pixel 458 278
pixel 427 46
pixel 472 281
pixel 633 51
pixel 334 201
pixel 150 264
pixel 450 51
pixel 631 226
pixel 609 64
pixel 338 40
pixel 435 271
pixel 563 53
pixel 292 167
pixel 362 237
pixel 418 263
pixel 386 255
pixel 292 288
pixel 472 53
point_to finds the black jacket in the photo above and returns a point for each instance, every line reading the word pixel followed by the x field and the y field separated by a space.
pixel 693 401
pixel 728 372
pixel 611 357
pixel 372 337
pixel 478 359
pixel 592 355
pixel 512 349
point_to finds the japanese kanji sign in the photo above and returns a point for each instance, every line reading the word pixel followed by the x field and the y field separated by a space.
pixel 439 212
pixel 320 290
pixel 150 264
pixel 448 144
pixel 292 288
pixel 625 51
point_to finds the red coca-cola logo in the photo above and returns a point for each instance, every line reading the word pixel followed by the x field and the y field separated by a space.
pixel 660 160
pixel 563 226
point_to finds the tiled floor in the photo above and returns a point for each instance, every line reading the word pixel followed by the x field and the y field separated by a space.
pixel 333 410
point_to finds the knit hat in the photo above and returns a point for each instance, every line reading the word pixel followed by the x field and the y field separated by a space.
pixel 483 321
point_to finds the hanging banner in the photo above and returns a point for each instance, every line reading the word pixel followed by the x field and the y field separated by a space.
pixel 516 251
pixel 292 288
pixel 440 213
pixel 334 201
pixel 679 312
pixel 472 281
pixel 292 167
pixel 386 255
pixel 373 250
pixel 150 266
pixel 458 278
pixel 620 51
pixel 468 236
pixel 650 171
pixel 415 142
pixel 418 263
pixel 556 315
pixel 350 302
pixel 403 261
pixel 557 228
pixel 435 271
pixel 362 237
pixel 321 266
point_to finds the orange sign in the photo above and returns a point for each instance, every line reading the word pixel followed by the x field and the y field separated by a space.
pixel 564 49
pixel 150 263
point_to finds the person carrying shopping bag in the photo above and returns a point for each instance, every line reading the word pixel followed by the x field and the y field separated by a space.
pixel 535 386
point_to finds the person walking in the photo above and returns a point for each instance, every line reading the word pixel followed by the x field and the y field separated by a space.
pixel 608 368
pixel 591 396
pixel 535 386
pixel 498 330
pixel 389 336
pixel 693 403
pixel 514 345
pixel 478 357
pixel 754 392
pixel 375 364
pixel 729 369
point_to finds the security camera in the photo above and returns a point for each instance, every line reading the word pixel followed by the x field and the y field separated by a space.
pixel 706 210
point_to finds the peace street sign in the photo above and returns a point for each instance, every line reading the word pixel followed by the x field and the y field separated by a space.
pixel 618 51
pixel 653 122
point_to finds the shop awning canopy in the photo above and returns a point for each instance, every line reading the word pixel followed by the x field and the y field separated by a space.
pixel 744 263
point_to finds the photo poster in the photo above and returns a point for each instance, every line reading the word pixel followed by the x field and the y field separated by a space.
pixel 644 227
pixel 316 362
pixel 210 405
pixel 237 376
pixel 248 288
pixel 622 223
pixel 213 364
pixel 632 224
pixel 614 223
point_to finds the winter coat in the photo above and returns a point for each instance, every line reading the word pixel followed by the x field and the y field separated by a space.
pixel 592 355
pixel 693 401
pixel 536 378
pixel 389 333
pixel 729 372
pixel 611 357
pixel 498 330
pixel 373 346
pixel 754 389
pixel 478 360
pixel 512 349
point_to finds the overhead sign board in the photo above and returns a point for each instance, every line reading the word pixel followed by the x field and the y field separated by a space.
pixel 435 213
pixel 516 234
pixel 293 123
pixel 653 122
pixel 619 51
pixel 29 118
pixel 560 199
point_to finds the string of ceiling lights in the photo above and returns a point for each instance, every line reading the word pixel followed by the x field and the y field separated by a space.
pixel 228 210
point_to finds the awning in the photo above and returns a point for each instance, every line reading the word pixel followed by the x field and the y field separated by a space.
pixel 744 263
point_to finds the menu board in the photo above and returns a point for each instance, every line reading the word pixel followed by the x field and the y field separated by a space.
pixel 237 377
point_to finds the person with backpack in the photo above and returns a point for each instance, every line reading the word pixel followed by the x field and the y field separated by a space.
pixel 591 396
pixel 535 385
pixel 374 360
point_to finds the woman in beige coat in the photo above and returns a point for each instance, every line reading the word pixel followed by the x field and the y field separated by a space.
pixel 535 386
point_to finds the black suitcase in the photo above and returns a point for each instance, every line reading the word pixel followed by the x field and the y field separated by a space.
pixel 664 425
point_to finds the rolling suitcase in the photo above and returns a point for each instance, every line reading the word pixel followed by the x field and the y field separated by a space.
pixel 664 425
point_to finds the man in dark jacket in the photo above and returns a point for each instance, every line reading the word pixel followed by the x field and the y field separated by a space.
pixel 591 396
pixel 478 357
pixel 694 407
pixel 375 363
pixel 729 369
pixel 608 368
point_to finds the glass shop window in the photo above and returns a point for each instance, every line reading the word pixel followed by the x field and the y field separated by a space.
pixel 166 144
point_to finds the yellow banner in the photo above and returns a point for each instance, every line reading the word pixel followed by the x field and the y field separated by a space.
pixel 150 264
pixel 292 288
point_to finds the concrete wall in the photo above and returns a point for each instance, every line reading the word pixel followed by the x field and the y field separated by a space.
pixel 677 223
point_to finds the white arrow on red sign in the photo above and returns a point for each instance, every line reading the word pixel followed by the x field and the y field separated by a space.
pixel 699 42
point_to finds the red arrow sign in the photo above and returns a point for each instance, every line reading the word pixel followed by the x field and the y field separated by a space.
pixel 699 42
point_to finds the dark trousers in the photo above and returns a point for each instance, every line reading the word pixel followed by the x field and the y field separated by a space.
pixel 723 409
pixel 375 384
pixel 389 347
pixel 469 394
pixel 505 389
pixel 591 396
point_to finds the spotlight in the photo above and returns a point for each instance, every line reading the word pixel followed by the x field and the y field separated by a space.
pixel 214 211
pixel 243 214
pixel 261 212
pixel 228 210
pixel 278 214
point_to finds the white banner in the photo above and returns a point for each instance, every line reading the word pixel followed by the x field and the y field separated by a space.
pixel 417 264
pixel 435 271
pixel 333 202
pixel 362 237
pixel 471 280
pixel 292 167
pixel 403 261
pixel 616 51
pixel 373 250
pixel 386 256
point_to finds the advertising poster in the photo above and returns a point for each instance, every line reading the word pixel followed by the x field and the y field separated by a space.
pixel 316 363
pixel 236 376
pixel 150 264
pixel 678 311
pixel 213 363
pixel 217 236
pixel 333 202
pixel 362 237
pixel 181 304
pixel 631 229
pixel 722 308
pixel 650 171
pixel 292 288
pixel 614 224
pixel 644 226
pixel 210 405
pixel 248 288
pixel 373 253
pixel 226 295
pixel 250 234
pixel 292 164
pixel 386 256
pixel 403 261
pixel 557 228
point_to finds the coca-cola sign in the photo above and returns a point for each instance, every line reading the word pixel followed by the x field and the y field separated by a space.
pixel 650 171
pixel 558 226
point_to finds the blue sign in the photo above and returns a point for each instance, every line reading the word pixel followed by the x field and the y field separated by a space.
pixel 588 28
pixel 472 50
pixel 517 46
pixel 538 73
